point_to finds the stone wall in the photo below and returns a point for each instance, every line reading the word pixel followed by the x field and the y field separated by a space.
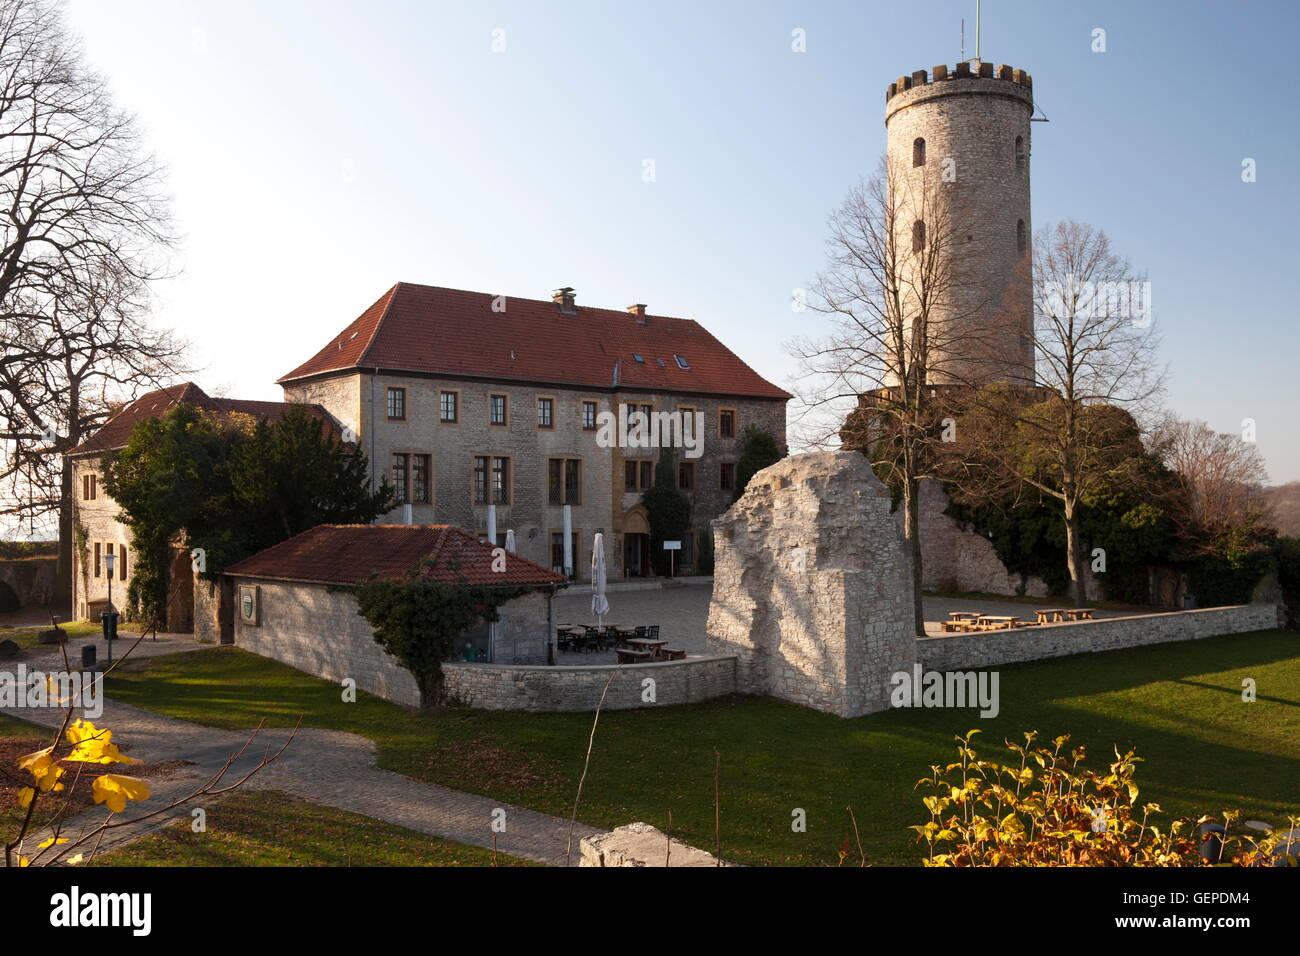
pixel 812 586
pixel 503 687
pixel 319 631
pixel 956 558
pixel 991 648
pixel 31 579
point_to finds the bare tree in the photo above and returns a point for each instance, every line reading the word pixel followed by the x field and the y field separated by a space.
pixel 1096 350
pixel 1220 507
pixel 890 289
pixel 84 228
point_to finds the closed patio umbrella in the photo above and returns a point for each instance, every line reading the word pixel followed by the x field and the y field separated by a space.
pixel 599 603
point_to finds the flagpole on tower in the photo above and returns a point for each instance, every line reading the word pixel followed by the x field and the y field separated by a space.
pixel 977 29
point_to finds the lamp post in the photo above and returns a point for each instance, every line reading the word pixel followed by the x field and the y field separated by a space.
pixel 109 617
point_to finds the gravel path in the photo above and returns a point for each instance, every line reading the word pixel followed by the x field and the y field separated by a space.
pixel 329 767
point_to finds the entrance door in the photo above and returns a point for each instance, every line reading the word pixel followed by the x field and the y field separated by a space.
pixel 636 555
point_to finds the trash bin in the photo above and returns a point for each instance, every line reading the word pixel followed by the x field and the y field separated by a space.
pixel 88 652
pixel 108 623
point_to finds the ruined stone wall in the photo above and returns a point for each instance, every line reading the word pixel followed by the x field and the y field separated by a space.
pixel 812 585
pixel 991 648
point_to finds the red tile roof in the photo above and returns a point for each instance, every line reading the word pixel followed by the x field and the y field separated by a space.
pixel 348 553
pixel 116 432
pixel 451 332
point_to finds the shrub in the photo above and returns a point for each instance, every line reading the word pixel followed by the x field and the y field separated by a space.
pixel 1048 810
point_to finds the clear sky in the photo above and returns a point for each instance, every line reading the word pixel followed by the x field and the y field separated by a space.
pixel 320 151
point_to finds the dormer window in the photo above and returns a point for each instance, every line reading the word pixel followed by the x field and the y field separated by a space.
pixel 681 362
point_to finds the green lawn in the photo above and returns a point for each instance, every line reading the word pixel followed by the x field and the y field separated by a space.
pixel 267 828
pixel 25 637
pixel 1179 705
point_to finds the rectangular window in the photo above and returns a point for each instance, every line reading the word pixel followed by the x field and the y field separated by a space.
pixel 497 409
pixel 564 481
pixel 121 562
pixel 727 423
pixel 449 407
pixel 480 481
pixel 396 404
pixel 401 484
pixel 501 481
pixel 686 475
pixel 420 491
pixel 557 553
pixel 647 474
pixel 727 476
pixel 629 475
pixel 688 548
pixel 545 413
pixel 97 558
pixel 589 416
pixel 688 421
pixel 491 480
pixel 88 489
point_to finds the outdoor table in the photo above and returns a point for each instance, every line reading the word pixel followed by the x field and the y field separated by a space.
pixel 1080 614
pixel 961 615
pixel 1056 614
pixel 997 621
pixel 647 643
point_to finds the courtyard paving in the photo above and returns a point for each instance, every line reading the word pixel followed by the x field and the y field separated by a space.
pixel 682 614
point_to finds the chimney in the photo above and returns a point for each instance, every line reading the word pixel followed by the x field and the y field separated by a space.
pixel 564 299
pixel 637 310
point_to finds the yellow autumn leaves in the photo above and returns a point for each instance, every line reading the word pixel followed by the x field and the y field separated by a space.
pixel 90 744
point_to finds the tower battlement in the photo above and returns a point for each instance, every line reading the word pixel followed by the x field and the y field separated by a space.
pixel 962 71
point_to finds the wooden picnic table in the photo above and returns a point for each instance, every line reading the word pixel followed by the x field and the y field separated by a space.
pixel 1080 614
pixel 1056 614
pixel 646 643
pixel 961 615
pixel 996 621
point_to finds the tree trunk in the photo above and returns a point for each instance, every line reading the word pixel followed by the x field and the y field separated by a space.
pixel 912 535
pixel 1074 556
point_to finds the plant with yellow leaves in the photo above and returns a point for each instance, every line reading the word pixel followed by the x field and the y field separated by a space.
pixel 1047 809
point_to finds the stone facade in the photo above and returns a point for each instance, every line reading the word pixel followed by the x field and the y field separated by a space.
pixel 546 689
pixel 32 580
pixel 357 402
pixel 991 648
pixel 960 140
pixel 812 585
pixel 96 528
pixel 318 630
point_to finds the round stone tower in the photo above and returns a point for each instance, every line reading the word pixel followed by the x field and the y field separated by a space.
pixel 959 142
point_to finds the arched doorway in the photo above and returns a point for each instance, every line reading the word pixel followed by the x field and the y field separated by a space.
pixel 636 544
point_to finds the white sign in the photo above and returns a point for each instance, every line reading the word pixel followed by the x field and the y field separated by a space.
pixel 672 546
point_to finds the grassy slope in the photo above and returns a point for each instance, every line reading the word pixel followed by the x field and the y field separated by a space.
pixel 266 828
pixel 1179 705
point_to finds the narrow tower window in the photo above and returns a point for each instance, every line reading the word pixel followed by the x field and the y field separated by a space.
pixel 918 152
pixel 918 235
pixel 1020 153
pixel 1020 236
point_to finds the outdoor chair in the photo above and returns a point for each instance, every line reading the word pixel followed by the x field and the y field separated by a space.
pixel 652 632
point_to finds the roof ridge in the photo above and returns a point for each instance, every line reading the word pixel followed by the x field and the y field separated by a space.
pixel 391 296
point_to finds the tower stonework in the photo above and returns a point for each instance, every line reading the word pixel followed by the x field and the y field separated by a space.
pixel 964 136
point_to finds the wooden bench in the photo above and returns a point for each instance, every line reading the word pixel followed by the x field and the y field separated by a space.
pixel 633 657
pixel 672 654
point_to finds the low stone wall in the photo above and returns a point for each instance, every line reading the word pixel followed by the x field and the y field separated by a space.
pixel 991 648
pixel 515 687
